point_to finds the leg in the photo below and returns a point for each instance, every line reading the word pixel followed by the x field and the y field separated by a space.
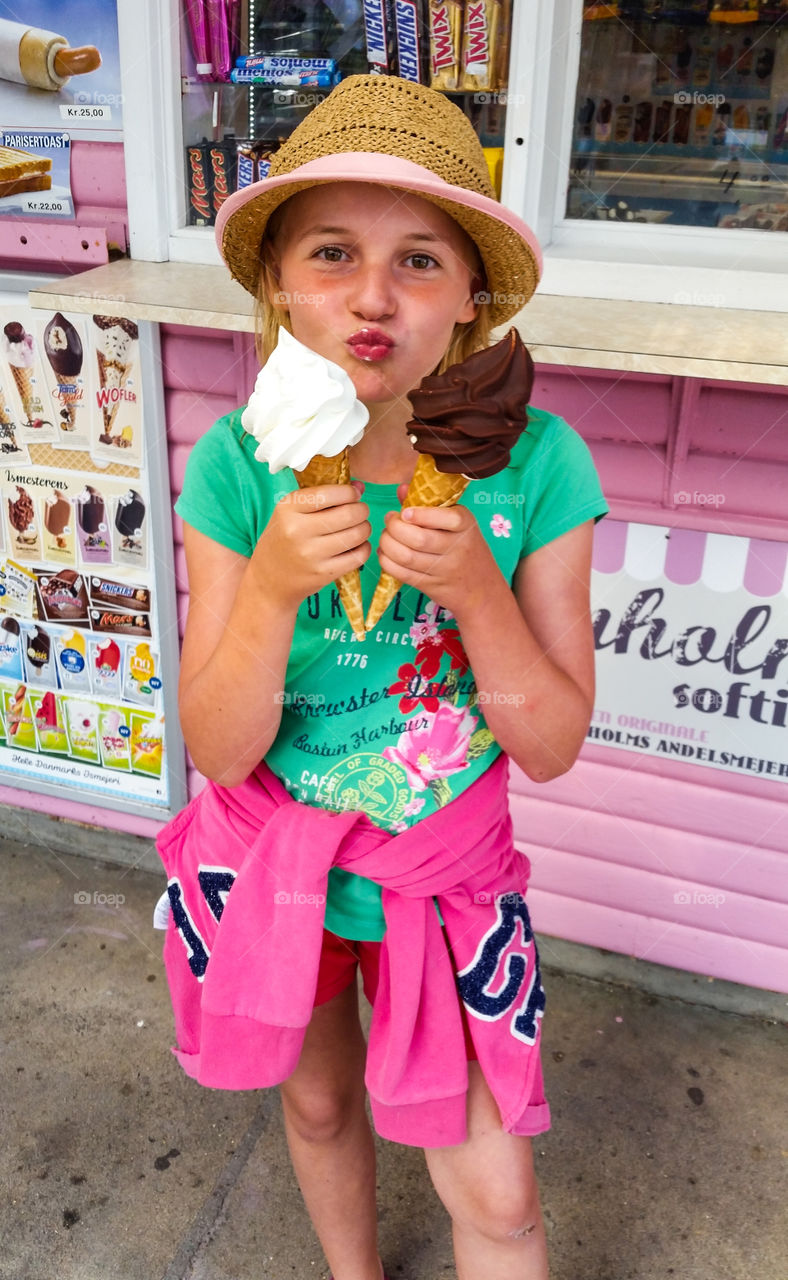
pixel 330 1140
pixel 489 1188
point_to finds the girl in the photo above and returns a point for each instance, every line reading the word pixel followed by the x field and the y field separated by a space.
pixel 377 242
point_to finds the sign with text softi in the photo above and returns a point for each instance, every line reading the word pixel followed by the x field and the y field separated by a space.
pixel 691 636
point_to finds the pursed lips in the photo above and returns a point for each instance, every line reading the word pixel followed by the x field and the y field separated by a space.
pixel 370 344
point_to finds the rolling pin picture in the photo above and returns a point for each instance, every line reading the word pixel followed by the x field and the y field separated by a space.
pixel 43 59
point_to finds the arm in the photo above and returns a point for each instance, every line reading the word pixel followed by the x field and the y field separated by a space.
pixel 530 647
pixel 242 613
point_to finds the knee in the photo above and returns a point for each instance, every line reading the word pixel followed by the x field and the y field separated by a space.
pixel 501 1215
pixel 319 1116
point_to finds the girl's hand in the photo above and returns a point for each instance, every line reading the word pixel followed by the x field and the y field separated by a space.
pixel 441 551
pixel 314 536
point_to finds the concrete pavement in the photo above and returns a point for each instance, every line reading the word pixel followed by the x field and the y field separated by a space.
pixel 667 1155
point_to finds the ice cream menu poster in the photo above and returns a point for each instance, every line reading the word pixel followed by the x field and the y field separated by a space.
pixel 80 673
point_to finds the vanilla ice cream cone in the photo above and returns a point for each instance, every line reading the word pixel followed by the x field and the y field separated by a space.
pixel 322 470
pixel 428 488
pixel 24 385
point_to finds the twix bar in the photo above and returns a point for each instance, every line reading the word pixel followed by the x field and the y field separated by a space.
pixel 480 37
pixel 445 40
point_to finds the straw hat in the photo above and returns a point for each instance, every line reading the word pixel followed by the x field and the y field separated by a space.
pixel 395 133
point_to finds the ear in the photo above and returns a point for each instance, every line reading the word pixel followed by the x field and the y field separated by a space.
pixel 470 308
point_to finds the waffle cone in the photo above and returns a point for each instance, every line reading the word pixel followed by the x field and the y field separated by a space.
pixel 429 487
pixel 111 374
pixel 24 385
pixel 322 470
pixel 68 403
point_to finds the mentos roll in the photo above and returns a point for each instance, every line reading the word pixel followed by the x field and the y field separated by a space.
pixel 276 62
pixel 379 34
pixel 413 34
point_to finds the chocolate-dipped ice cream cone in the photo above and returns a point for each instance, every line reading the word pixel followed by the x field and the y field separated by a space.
pixel 64 352
pixel 465 423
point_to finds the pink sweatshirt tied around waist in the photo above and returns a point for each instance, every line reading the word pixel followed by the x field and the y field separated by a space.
pixel 247 872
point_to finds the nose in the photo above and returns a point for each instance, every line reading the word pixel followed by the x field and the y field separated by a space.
pixel 373 293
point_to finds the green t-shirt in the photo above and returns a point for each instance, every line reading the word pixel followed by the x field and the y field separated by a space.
pixel 390 726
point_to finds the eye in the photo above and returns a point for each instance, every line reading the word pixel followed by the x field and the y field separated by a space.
pixel 332 253
pixel 422 261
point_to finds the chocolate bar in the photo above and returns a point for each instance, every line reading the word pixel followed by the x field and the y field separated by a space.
pixel 120 595
pixel 413 35
pixel 379 34
pixel 222 156
pixel 445 41
pixel 479 43
pixel 198 165
pixel 122 624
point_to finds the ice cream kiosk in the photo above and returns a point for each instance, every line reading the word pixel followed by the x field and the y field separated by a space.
pixel 646 144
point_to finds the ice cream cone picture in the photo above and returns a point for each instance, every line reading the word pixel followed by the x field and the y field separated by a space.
pixel 116 353
pixel 8 440
pixel 465 423
pixel 63 348
pixel 19 351
pixel 304 413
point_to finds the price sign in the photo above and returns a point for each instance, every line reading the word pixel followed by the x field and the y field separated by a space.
pixel 75 112
pixel 54 206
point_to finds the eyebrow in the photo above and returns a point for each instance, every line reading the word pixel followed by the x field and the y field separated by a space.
pixel 427 237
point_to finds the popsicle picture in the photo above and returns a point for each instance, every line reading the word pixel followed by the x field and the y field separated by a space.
pixel 42 59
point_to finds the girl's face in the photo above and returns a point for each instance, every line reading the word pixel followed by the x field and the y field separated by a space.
pixel 374 280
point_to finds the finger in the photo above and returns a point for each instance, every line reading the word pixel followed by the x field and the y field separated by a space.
pixel 318 497
pixel 450 518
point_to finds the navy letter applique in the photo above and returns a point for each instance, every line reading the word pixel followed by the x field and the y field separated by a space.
pixel 216 883
pixel 476 978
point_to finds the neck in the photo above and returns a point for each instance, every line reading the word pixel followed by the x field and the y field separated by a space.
pixel 385 455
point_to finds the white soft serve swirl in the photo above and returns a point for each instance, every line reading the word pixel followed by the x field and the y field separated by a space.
pixel 302 405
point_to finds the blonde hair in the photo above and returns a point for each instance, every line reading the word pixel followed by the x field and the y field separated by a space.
pixel 270 314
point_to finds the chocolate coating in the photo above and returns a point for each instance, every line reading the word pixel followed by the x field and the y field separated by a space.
pixel 63 347
pixel 91 511
pixel 14 331
pixel 130 514
pixel 470 417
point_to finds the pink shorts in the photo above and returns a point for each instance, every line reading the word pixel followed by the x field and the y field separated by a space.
pixel 339 959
